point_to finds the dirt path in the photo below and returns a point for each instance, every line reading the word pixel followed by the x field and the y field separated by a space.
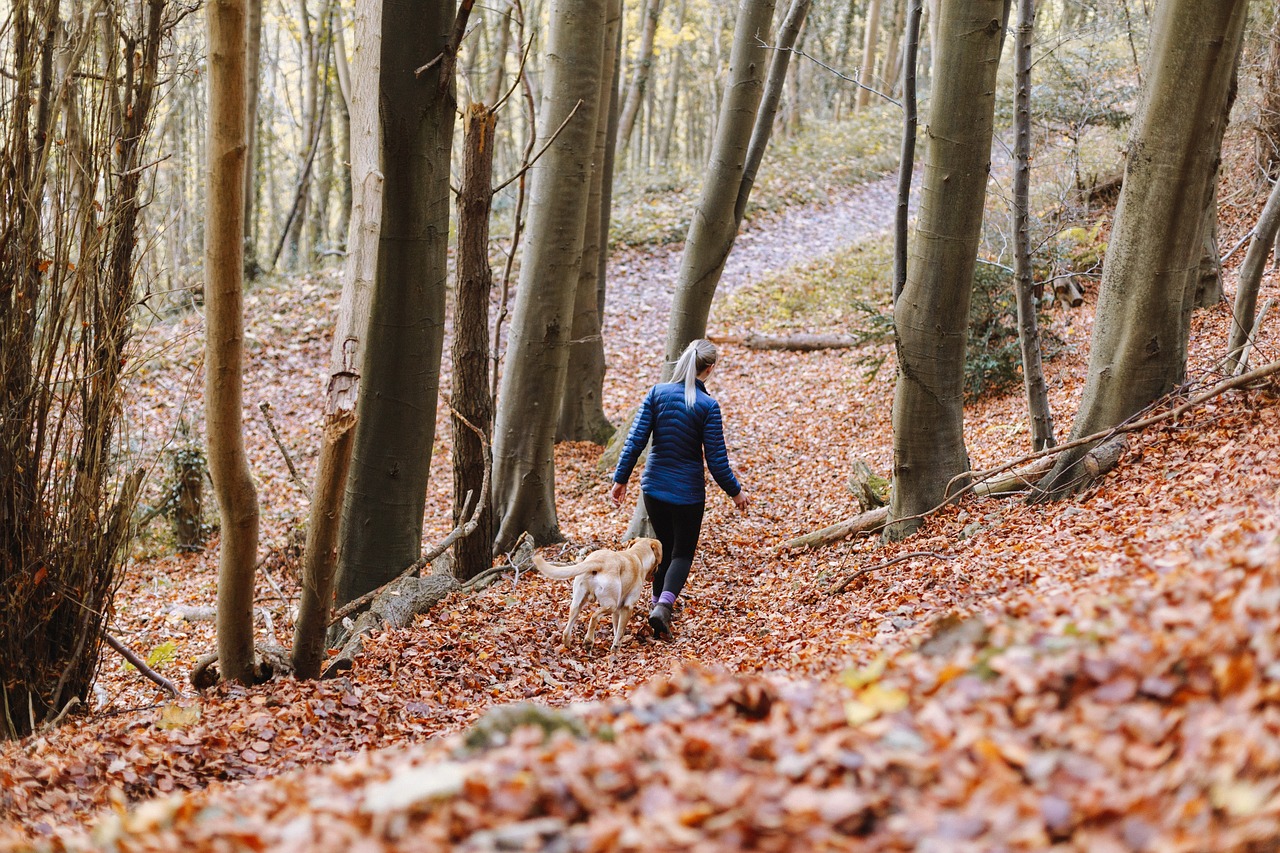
pixel 641 281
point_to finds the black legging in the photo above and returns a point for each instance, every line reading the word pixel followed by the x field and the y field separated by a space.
pixel 677 527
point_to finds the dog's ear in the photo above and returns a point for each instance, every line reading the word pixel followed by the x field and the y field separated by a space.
pixel 657 550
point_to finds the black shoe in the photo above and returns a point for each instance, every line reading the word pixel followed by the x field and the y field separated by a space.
pixel 660 620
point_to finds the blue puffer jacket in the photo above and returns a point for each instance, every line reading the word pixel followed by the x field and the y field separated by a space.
pixel 681 436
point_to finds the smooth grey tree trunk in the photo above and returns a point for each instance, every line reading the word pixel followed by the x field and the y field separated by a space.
pixel 533 377
pixel 582 416
pixel 932 314
pixel 1041 419
pixel 253 54
pixel 869 42
pixel 715 224
pixel 1137 351
pixel 395 429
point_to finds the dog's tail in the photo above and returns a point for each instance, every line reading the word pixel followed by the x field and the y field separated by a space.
pixel 561 573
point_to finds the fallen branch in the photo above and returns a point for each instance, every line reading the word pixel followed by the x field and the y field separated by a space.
pixel 902 558
pixel 139 664
pixel 868 522
pixel 288 460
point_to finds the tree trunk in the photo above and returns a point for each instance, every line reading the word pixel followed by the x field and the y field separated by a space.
pixel 537 355
pixel 643 65
pixel 1267 141
pixel 868 54
pixel 608 163
pixel 1028 322
pixel 907 159
pixel 932 314
pixel 471 399
pixel 320 556
pixel 671 97
pixel 582 416
pixel 892 62
pixel 715 223
pixel 224 339
pixel 253 54
pixel 395 428
pixel 1255 262
pixel 1137 352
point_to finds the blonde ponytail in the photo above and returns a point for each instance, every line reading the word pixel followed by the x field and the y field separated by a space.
pixel 697 357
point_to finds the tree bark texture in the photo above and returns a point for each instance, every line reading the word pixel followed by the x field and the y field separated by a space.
pixel 224 338
pixel 715 225
pixel 608 164
pixel 643 68
pixel 320 555
pixel 1267 140
pixel 470 352
pixel 1138 348
pixel 537 355
pixel 395 428
pixel 582 416
pixel 932 314
pixel 1041 419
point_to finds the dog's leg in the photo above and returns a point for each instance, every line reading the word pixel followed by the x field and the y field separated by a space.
pixel 591 626
pixel 621 617
pixel 579 596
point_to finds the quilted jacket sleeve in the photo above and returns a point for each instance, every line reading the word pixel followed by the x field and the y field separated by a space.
pixel 716 455
pixel 637 438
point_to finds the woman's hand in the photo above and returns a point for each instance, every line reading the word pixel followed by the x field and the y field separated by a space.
pixel 617 493
pixel 742 500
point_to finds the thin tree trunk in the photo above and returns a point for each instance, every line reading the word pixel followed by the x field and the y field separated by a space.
pixel 471 400
pixel 932 313
pixel 907 159
pixel 671 96
pixel 1138 348
pixel 224 338
pixel 582 416
pixel 395 429
pixel 497 80
pixel 607 165
pixel 892 62
pixel 1028 322
pixel 253 55
pixel 320 557
pixel 1255 262
pixel 868 54
pixel 533 379
pixel 1267 140
pixel 643 66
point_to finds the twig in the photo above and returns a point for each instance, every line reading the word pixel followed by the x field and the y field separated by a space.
pixel 139 664
pixel 529 165
pixel 899 559
pixel 288 604
pixel 818 62
pixel 66 709
pixel 1238 244
pixel 1242 359
pixel 288 460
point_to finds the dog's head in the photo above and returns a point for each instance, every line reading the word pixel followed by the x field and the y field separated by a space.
pixel 643 545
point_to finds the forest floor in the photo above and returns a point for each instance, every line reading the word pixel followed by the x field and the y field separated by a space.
pixel 1101 673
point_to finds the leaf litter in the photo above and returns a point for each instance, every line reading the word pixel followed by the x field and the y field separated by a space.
pixel 1101 673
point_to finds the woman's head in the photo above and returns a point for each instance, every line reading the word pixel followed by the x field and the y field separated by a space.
pixel 696 359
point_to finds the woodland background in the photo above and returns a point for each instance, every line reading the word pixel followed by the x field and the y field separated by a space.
pixel 1098 671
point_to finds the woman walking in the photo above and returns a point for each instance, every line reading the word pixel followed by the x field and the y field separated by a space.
pixel 684 422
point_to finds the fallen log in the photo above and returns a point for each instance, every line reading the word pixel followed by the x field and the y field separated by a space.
pixel 867 522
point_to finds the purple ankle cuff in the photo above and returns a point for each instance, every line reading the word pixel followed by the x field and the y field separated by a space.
pixel 667 598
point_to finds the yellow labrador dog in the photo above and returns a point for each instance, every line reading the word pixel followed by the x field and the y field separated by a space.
pixel 615 579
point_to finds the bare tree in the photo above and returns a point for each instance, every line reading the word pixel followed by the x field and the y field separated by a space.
pixel 1138 348
pixel 533 378
pixel 932 313
pixel 642 69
